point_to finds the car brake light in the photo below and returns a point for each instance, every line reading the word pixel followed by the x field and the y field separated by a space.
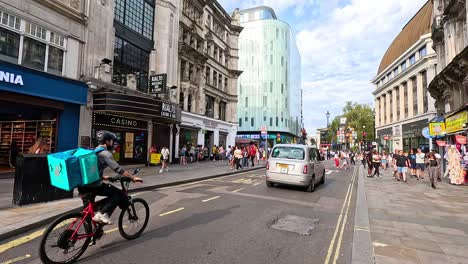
pixel 267 165
pixel 304 171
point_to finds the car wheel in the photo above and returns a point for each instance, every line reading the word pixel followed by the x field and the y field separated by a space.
pixel 311 187
pixel 269 184
pixel 322 181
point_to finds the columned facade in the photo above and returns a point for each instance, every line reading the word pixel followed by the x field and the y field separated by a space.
pixel 403 107
pixel 207 74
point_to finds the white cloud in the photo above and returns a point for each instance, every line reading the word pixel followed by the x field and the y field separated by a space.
pixel 341 51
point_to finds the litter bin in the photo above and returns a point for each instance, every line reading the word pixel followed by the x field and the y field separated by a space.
pixel 32 181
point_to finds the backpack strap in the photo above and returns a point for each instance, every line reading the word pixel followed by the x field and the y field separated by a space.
pixel 99 149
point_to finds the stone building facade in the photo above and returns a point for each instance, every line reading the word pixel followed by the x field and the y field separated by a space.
pixel 450 85
pixel 403 105
pixel 208 73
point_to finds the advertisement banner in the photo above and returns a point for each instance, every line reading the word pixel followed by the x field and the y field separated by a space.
pixel 455 122
pixel 343 121
pixel 425 133
pixel 437 129
pixel 441 143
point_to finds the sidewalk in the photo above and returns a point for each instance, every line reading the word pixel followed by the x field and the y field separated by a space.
pixel 15 220
pixel 413 223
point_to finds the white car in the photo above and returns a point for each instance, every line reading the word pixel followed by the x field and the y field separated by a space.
pixel 298 165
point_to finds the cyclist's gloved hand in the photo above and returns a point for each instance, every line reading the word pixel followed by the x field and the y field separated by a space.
pixel 106 178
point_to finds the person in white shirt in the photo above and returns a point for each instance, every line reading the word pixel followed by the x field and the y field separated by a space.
pixel 165 159
pixel 420 164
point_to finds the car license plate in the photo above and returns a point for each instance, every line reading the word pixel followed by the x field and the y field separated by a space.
pixel 283 166
pixel 283 170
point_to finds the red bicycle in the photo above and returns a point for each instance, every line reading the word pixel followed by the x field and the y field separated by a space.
pixel 68 237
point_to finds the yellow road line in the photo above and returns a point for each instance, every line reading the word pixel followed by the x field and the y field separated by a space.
pixel 332 242
pixel 340 240
pixel 238 190
pixel 207 200
pixel 17 259
pixel 173 211
pixel 239 180
pixel 113 230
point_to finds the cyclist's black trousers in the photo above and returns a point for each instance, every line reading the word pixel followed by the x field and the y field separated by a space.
pixel 115 197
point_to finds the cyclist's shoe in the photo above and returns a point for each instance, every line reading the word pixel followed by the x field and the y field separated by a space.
pixel 102 218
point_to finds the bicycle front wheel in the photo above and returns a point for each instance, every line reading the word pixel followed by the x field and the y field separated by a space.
pixel 57 244
pixel 133 219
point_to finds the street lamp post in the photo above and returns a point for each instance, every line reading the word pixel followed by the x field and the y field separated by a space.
pixel 328 116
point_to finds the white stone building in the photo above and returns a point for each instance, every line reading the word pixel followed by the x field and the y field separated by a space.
pixel 403 105
pixel 208 73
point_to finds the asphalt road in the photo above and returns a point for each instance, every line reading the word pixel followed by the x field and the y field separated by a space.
pixel 229 220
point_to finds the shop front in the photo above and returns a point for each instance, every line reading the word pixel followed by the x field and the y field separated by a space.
pixel 272 138
pixel 139 121
pixel 385 139
pixel 413 137
pixel 36 105
pixel 456 124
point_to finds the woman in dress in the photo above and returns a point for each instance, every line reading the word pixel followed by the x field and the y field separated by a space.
pixel 454 166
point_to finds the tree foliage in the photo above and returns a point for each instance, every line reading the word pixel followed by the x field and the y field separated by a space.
pixel 360 117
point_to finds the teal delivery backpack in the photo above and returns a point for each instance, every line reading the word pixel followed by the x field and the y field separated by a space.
pixel 73 168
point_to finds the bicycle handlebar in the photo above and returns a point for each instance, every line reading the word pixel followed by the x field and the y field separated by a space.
pixel 123 179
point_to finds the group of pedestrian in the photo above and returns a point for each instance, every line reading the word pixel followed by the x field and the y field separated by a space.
pixel 344 159
pixel 416 162
pixel 239 156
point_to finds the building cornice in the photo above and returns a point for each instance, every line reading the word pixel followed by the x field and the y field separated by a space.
pixel 409 120
pixel 425 39
pixel 418 66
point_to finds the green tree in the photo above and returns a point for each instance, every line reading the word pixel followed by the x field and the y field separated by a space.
pixel 360 117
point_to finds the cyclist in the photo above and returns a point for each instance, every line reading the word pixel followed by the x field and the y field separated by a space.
pixel 115 197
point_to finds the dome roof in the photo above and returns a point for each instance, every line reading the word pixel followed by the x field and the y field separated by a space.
pixel 419 25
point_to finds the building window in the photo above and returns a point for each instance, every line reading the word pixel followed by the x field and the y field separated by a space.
pixel 189 106
pixel 226 84
pixel 390 95
pixel 424 85
pixel 286 103
pixel 222 111
pixel 137 15
pixel 282 61
pixel 209 112
pixel 397 103
pixel 415 95
pixel 282 88
pixel 403 66
pixel 271 121
pixel 264 118
pixel 264 101
pixel 389 76
pixel 129 59
pixel 271 87
pixel 55 60
pixel 252 122
pixel 34 54
pixel 246 118
pixel 10 20
pixel 405 91
pixel 277 33
pixel 9 45
pixel 271 59
pixel 171 29
pixel 240 122
pixel 181 100
pixel 246 102
pixel 412 59
pixel 395 72
pixel 422 52
pixel 277 121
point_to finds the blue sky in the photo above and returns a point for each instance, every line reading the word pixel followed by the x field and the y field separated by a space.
pixel 341 44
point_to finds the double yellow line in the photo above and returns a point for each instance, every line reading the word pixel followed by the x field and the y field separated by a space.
pixel 341 224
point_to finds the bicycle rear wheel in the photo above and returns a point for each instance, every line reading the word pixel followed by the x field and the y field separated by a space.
pixel 133 219
pixel 56 244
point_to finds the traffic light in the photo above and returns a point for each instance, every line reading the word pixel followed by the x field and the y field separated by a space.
pixel 278 137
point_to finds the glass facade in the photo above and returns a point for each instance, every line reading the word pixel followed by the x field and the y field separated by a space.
pixel 270 85
pixel 138 15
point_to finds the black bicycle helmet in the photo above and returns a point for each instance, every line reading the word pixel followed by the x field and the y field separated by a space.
pixel 103 135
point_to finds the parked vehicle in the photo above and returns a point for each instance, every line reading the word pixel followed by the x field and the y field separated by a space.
pixel 298 165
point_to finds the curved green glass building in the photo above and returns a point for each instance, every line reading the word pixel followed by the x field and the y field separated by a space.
pixel 269 89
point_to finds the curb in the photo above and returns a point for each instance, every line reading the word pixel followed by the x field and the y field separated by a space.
pixel 363 250
pixel 42 222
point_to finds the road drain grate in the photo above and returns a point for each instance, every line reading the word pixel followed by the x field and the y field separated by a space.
pixel 296 224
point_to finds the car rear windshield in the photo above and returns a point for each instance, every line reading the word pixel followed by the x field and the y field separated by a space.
pixel 288 153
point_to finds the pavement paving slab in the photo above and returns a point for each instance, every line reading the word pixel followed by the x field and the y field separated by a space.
pixel 412 223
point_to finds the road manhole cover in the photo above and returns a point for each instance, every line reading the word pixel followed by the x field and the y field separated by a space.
pixel 296 224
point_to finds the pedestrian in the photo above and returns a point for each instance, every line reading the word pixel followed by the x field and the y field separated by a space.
pixel 165 159
pixel 384 160
pixel 192 153
pixel 370 165
pixel 412 159
pixel 351 157
pixel 376 163
pixel 237 157
pixel 183 155
pixel 432 167
pixel 402 163
pixel 420 164
pixel 245 157
pixel 362 157
pixel 337 160
pixel 252 153
pixel 439 160
pixel 221 153
pixel 231 157
pixel 40 147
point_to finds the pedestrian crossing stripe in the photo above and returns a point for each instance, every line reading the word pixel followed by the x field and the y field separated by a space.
pixel 243 180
